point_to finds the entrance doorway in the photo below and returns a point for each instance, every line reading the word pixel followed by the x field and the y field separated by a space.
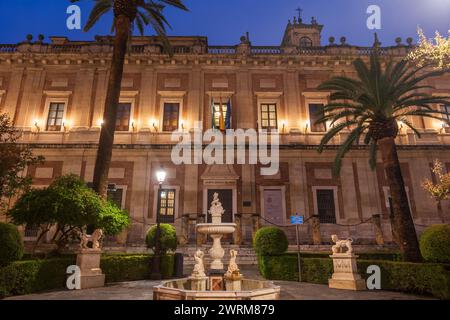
pixel 273 205
pixel 226 198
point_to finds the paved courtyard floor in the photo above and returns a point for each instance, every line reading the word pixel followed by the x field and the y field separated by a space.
pixel 143 290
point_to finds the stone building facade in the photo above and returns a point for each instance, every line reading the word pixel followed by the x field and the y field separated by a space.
pixel 55 93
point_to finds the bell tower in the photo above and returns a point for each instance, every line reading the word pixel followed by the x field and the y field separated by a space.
pixel 302 35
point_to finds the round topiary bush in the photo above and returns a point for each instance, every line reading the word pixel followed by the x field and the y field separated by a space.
pixel 168 238
pixel 435 244
pixel 270 240
pixel 11 245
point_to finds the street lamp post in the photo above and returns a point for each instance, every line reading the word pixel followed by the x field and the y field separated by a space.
pixel 156 264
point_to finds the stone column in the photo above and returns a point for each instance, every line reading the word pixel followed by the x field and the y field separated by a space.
pixel 201 238
pixel 256 223
pixel 184 238
pixel 238 232
pixel 315 227
pixel 376 220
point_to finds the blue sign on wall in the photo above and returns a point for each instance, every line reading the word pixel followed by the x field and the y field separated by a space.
pixel 296 220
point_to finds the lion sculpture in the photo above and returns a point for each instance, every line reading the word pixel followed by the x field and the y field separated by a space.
pixel 340 245
pixel 94 239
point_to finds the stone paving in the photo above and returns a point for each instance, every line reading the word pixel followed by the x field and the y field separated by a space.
pixel 142 290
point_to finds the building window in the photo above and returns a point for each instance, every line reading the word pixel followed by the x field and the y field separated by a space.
pixel 316 113
pixel 31 231
pixel 221 116
pixel 171 117
pixel 269 116
pixel 167 206
pixel 325 206
pixel 305 42
pixel 123 117
pixel 116 197
pixel 55 116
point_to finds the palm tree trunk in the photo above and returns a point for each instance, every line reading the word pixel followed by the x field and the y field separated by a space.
pixel 403 221
pixel 106 141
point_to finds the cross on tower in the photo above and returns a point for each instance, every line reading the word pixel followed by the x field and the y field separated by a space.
pixel 300 11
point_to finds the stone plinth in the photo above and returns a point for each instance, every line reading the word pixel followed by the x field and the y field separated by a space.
pixel 345 274
pixel 199 283
pixel 88 260
pixel 233 282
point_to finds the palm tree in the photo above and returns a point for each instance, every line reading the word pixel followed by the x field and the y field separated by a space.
pixel 370 106
pixel 127 14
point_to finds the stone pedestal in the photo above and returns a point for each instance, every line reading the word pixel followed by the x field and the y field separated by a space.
pixel 199 283
pixel 376 220
pixel 315 226
pixel 217 253
pixel 233 283
pixel 88 260
pixel 345 274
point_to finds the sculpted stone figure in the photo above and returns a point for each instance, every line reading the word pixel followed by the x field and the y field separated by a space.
pixel 94 239
pixel 340 245
pixel 233 268
pixel 199 268
pixel 216 211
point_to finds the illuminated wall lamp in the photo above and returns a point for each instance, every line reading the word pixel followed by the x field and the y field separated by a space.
pixel 306 126
pixel 36 124
pixel 66 125
pixel 153 123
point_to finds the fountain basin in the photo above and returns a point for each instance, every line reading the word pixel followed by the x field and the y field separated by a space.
pixel 250 290
pixel 211 228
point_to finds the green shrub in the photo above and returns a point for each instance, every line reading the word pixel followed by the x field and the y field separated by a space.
pixel 119 268
pixel 270 240
pixel 168 237
pixel 435 244
pixel 417 278
pixel 11 245
pixel 25 277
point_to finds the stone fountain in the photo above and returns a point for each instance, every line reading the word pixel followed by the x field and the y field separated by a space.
pixel 216 230
pixel 217 284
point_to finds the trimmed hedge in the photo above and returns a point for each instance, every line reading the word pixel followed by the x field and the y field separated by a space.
pixel 118 268
pixel 25 277
pixel 435 244
pixel 168 237
pixel 270 240
pixel 11 245
pixel 418 278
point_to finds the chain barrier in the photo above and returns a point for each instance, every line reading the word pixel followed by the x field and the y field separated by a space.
pixel 291 225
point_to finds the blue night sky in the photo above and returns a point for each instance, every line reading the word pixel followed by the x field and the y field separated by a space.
pixel 224 21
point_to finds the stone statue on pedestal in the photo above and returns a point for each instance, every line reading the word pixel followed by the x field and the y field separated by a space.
pixel 95 238
pixel 340 245
pixel 199 268
pixel 233 269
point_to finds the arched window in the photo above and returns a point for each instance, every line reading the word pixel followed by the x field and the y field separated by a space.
pixel 305 42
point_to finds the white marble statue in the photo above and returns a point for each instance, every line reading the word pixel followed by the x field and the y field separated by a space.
pixel 232 266
pixel 340 245
pixel 94 238
pixel 216 211
pixel 199 268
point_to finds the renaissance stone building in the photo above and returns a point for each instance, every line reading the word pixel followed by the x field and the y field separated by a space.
pixel 55 93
